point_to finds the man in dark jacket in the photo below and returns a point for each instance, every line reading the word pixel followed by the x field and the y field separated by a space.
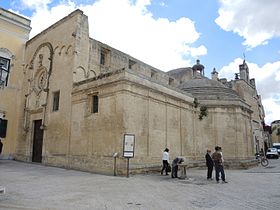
pixel 175 162
pixel 209 164
pixel 219 164
pixel 1 146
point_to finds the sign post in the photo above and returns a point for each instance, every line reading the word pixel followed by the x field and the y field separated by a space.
pixel 128 148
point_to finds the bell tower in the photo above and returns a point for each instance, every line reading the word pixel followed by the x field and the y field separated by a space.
pixel 244 71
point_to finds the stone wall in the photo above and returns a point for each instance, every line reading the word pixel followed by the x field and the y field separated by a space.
pixel 158 117
pixel 133 98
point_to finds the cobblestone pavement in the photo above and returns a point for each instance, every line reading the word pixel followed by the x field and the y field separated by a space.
pixel 37 187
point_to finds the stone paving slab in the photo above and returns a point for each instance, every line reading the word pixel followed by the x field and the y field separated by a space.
pixel 37 187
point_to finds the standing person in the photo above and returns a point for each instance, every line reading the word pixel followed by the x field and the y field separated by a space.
pixel 261 152
pixel 175 162
pixel 165 161
pixel 1 146
pixel 209 164
pixel 219 164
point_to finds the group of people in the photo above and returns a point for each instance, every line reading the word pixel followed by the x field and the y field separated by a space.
pixel 215 160
pixel 174 166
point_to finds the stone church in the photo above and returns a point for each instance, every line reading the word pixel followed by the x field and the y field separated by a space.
pixel 70 101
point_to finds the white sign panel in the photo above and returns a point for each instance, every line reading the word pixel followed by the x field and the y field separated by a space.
pixel 128 145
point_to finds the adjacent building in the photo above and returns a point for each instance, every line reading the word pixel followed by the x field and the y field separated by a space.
pixel 275 128
pixel 246 89
pixel 14 33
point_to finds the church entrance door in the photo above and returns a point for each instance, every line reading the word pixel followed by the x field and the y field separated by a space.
pixel 37 142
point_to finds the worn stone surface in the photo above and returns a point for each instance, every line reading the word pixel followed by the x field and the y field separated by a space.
pixel 33 186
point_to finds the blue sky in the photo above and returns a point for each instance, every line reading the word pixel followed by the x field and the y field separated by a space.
pixel 170 34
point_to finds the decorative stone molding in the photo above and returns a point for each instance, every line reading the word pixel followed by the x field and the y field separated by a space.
pixel 4 52
pixel 63 50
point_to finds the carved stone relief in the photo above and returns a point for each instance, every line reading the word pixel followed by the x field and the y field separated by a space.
pixel 41 77
pixel 38 77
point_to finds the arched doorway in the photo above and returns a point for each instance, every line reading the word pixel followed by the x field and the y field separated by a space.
pixel 37 142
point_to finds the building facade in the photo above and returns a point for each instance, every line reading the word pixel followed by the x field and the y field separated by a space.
pixel 78 98
pixel 275 128
pixel 246 89
pixel 14 33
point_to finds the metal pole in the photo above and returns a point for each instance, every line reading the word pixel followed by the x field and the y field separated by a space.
pixel 127 172
pixel 0 73
pixel 115 165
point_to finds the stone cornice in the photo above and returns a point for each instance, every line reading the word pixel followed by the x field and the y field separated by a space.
pixel 15 19
pixel 130 77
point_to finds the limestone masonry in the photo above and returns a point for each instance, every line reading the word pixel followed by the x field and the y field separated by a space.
pixel 69 100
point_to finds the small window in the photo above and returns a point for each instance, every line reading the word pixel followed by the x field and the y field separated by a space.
pixel 3 127
pixel 94 108
pixel 171 81
pixel 153 73
pixel 131 63
pixel 278 132
pixel 102 58
pixel 56 100
pixel 4 71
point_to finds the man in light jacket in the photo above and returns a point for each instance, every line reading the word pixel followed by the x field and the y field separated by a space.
pixel 165 161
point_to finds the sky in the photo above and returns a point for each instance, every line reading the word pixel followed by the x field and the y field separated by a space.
pixel 169 34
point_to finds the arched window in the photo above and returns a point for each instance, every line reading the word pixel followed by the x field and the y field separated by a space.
pixel 4 71
pixel 5 63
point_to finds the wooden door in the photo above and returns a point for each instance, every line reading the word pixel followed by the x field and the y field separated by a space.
pixel 37 142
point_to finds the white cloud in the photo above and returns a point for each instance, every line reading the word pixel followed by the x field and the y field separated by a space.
pixel 267 81
pixel 142 4
pixel 272 109
pixel 162 4
pixel 128 26
pixel 277 78
pixel 255 20
pixel 229 70
pixel 196 52
pixel 44 17
pixel 35 4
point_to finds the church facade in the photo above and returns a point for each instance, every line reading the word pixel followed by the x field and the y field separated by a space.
pixel 79 97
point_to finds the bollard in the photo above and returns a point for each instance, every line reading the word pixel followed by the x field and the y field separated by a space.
pixel 115 163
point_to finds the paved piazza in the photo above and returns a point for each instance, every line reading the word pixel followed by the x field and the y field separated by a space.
pixel 37 187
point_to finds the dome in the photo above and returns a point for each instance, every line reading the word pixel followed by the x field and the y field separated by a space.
pixel 201 82
pixel 207 89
